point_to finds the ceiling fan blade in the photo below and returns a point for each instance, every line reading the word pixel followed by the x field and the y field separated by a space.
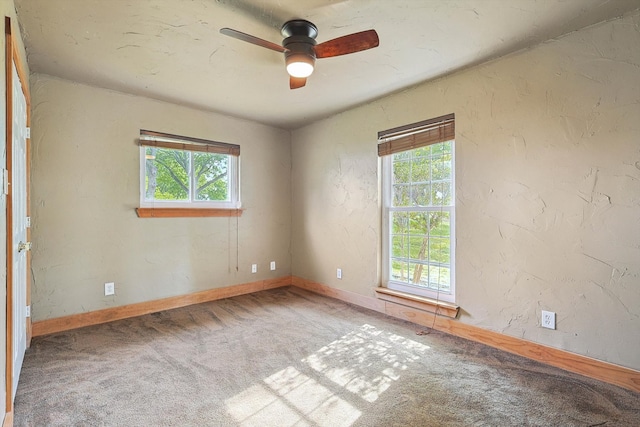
pixel 251 39
pixel 297 82
pixel 348 44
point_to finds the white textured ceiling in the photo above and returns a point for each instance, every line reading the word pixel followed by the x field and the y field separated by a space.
pixel 172 49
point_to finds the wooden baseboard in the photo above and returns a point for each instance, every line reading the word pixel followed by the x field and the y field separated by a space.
pixel 608 372
pixel 80 320
pixel 8 420
pixel 593 368
pixel 346 296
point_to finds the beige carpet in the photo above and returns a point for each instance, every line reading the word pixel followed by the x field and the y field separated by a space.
pixel 287 357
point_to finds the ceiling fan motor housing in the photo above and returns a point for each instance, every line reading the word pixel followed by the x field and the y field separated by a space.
pixel 299 27
pixel 299 45
pixel 299 42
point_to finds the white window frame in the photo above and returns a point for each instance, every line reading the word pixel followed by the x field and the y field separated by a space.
pixel 233 171
pixel 387 211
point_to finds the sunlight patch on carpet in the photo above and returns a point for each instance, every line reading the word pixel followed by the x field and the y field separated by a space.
pixel 365 362
pixel 290 398
pixel 348 360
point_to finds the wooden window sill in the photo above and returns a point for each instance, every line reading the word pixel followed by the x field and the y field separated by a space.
pixel 421 303
pixel 185 212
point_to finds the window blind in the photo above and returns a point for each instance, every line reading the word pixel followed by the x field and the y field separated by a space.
pixel 416 135
pixel 177 142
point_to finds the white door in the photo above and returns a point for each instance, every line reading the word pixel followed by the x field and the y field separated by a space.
pixel 19 210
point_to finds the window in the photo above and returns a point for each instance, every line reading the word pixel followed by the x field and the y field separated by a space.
pixel 184 172
pixel 418 208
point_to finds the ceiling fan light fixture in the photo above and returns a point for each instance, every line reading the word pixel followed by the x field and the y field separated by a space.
pixel 300 66
pixel 301 50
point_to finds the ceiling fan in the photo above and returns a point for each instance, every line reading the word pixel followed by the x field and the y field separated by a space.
pixel 300 48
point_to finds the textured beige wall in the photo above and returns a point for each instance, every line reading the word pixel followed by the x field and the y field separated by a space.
pixel 547 182
pixel 85 186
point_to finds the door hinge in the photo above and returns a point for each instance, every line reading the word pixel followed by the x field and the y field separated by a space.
pixel 28 311
pixel 28 222
pixel 28 133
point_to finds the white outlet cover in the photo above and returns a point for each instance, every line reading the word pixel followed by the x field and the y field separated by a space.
pixel 273 265
pixel 254 268
pixel 339 273
pixel 109 288
pixel 548 319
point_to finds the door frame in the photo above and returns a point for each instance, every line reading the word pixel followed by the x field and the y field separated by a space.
pixel 12 58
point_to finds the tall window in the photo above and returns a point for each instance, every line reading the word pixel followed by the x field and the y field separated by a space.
pixel 418 203
pixel 179 171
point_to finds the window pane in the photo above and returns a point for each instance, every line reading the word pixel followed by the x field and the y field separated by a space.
pixel 166 174
pixel 419 274
pixel 420 167
pixel 399 271
pixel 401 196
pixel 418 247
pixel 418 223
pixel 421 195
pixel 399 223
pixel 440 278
pixel 439 224
pixel 441 167
pixel 400 246
pixel 441 194
pixel 439 250
pixel 422 151
pixel 211 175
pixel 401 171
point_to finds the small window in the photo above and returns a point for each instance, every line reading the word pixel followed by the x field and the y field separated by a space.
pixel 184 172
pixel 418 203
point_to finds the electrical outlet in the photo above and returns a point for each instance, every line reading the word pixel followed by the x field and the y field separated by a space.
pixel 273 265
pixel 109 288
pixel 339 273
pixel 254 268
pixel 548 319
